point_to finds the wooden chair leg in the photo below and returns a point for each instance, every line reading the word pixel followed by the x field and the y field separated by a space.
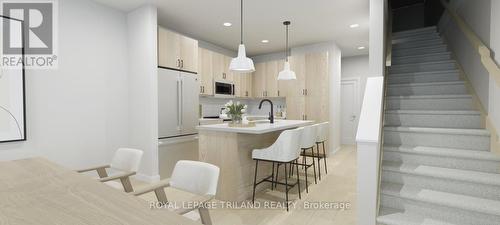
pixel 272 178
pixel 205 216
pixel 161 196
pixel 298 180
pixel 286 187
pixel 127 186
pixel 102 172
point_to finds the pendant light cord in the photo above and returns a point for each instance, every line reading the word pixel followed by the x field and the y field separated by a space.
pixel 286 50
pixel 241 21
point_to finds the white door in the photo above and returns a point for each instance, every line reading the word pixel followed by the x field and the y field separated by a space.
pixel 350 110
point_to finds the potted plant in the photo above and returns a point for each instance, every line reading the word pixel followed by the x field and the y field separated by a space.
pixel 235 111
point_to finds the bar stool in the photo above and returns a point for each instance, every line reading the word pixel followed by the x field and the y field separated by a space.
pixel 307 142
pixel 285 150
pixel 321 138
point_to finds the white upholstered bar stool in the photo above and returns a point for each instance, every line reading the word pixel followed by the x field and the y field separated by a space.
pixel 285 150
pixel 195 177
pixel 126 161
pixel 308 141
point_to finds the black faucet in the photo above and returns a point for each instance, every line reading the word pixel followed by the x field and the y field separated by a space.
pixel 271 114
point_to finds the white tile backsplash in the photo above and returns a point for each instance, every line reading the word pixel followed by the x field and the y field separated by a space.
pixel 211 106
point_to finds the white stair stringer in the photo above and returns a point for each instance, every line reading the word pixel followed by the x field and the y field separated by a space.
pixel 437 166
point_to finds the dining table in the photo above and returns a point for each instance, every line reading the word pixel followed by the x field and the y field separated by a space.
pixel 36 191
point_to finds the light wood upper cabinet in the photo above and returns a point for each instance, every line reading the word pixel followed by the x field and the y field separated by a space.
pixel 296 107
pixel 221 67
pixel 295 88
pixel 177 51
pixel 259 80
pixel 228 75
pixel 271 79
pixel 205 71
pixel 169 48
pixel 245 84
pixel 189 54
pixel 317 87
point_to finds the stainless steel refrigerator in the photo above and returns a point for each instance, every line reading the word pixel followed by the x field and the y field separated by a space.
pixel 177 103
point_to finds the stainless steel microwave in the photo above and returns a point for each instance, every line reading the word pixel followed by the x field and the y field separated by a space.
pixel 223 89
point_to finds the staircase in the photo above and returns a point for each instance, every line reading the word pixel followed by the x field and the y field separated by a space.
pixel 437 166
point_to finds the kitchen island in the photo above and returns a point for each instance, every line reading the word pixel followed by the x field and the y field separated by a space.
pixel 230 148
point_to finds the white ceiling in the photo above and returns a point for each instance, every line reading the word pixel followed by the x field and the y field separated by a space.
pixel 312 21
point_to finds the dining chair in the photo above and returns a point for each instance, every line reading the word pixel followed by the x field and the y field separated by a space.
pixel 126 161
pixel 195 177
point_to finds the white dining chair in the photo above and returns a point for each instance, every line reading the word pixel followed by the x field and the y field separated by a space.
pixel 125 162
pixel 195 177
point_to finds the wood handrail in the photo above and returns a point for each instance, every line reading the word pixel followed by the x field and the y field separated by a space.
pixel 485 52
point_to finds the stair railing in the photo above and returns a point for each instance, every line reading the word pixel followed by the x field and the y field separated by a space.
pixel 486 59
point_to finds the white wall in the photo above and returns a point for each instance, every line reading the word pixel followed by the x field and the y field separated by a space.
pixel 483 17
pixel 143 88
pixel 494 109
pixel 354 67
pixel 77 115
pixel 473 12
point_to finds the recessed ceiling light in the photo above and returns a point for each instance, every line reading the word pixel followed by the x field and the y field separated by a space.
pixel 265 41
pixel 354 25
pixel 361 47
pixel 227 24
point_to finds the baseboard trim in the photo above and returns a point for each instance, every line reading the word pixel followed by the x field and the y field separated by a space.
pixel 146 178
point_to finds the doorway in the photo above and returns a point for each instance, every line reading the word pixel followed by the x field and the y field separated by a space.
pixel 349 110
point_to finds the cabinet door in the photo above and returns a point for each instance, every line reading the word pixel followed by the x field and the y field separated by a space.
pixel 272 79
pixel 218 66
pixel 249 85
pixel 238 89
pixel 295 108
pixel 295 88
pixel 189 54
pixel 228 76
pixel 317 87
pixel 205 71
pixel 259 80
pixel 169 50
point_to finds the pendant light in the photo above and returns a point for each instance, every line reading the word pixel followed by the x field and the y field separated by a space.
pixel 241 64
pixel 286 73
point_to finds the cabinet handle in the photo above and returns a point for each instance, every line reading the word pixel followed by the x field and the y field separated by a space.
pixel 306 94
pixel 278 93
pixel 182 63
pixel 201 89
pixel 303 92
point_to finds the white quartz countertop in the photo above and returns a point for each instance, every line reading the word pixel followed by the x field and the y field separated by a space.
pixel 260 128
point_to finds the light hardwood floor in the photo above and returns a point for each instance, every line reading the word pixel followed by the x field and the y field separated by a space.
pixel 338 186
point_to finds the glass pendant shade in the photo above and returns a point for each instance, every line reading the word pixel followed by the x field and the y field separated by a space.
pixel 286 73
pixel 242 64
